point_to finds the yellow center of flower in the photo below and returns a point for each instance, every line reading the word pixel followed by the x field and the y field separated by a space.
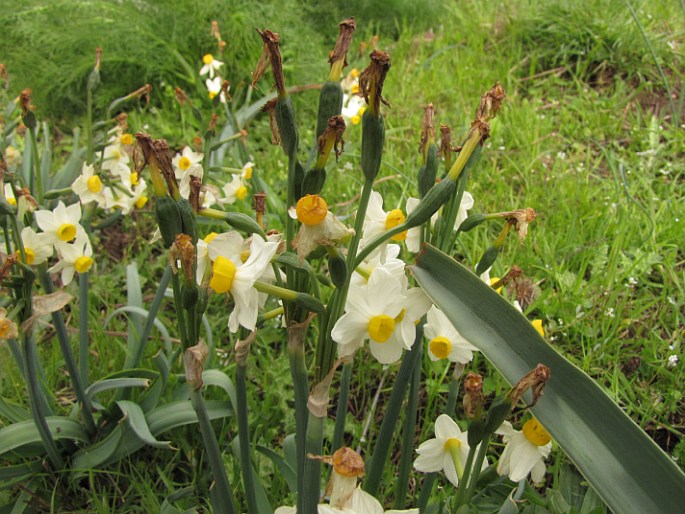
pixel 356 119
pixel 493 281
pixel 94 184
pixel 537 324
pixel 210 237
pixel 241 192
pixel 207 58
pixel 311 209
pixel 223 275
pixel 452 444
pixel 355 89
pixel 83 264
pixel 66 232
pixel 11 200
pixel 126 139
pixel 381 328
pixel 140 202
pixel 354 72
pixel 184 163
pixel 116 154
pixel 536 433
pixel 396 217
pixel 134 179
pixel 30 255
pixel 212 94
pixel 440 347
pixel 248 173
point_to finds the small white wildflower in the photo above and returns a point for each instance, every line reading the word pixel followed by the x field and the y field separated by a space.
pixel 610 312
pixel 672 360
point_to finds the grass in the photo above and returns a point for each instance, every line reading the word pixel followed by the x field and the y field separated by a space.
pixel 586 138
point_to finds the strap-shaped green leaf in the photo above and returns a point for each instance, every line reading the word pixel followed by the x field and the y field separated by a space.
pixel 25 432
pixel 626 468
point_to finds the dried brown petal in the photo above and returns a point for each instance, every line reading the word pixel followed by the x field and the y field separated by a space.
pixel 342 44
pixel 372 78
pixel 427 127
pixel 194 360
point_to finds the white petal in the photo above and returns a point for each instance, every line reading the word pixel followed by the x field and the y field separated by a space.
pixel 351 328
pixel 445 427
pixel 385 353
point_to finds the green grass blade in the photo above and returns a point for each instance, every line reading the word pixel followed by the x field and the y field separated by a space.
pixel 626 468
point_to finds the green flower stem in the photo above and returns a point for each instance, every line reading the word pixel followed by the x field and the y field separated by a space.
pixel 392 414
pixel 235 136
pixel 35 402
pixel 377 241
pixel 180 317
pixel 244 438
pixel 83 327
pixel 408 433
pixel 57 193
pixel 68 354
pixel 426 491
pixel 341 411
pixel 473 471
pixel 36 166
pixel 464 474
pixel 90 145
pixel 298 371
pixel 453 394
pixel 224 495
pixel 312 467
pixel 288 295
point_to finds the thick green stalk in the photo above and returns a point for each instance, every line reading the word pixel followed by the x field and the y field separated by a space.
pixel 341 412
pixel 473 471
pixel 244 438
pixel 35 402
pixel 180 315
pixel 312 467
pixel 224 495
pixel 68 354
pixel 392 414
pixel 464 478
pixel 83 327
pixel 90 148
pixel 408 433
pixel 36 166
pixel 298 371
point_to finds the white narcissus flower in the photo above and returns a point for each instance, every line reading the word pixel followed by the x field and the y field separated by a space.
pixel 247 170
pixel 445 342
pixel 353 108
pixel 440 453
pixel 184 160
pixel 76 256
pixel 231 275
pixel 362 502
pixel 319 226
pixel 114 155
pixel 525 451
pixel 383 313
pixel 88 187
pixel 392 265
pixel 9 195
pixel 378 221
pixel 234 190
pixel 36 247
pixel 62 224
pixel 8 328
pixel 214 87
pixel 211 65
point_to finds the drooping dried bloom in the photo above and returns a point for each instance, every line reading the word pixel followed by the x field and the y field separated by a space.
pixel 271 53
pixel 332 137
pixel 183 250
pixel 181 96
pixel 520 218
pixel 270 109
pixel 535 380
pixel 259 206
pixel 490 103
pixel 473 395
pixel 338 57
pixel 372 78
pixel 427 128
pixel 194 361
pixel 25 102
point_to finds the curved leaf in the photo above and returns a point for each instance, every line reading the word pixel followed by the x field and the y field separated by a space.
pixel 142 312
pixel 626 468
pixel 138 423
pixel 25 432
pixel 95 455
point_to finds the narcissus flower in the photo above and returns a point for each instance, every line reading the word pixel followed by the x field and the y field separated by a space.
pixel 9 195
pixel 393 265
pixel 445 342
pixel 211 65
pixel 447 452
pixel 319 226
pixel 215 87
pixel 88 187
pixel 62 224
pixel 383 314
pixel 76 256
pixel 353 108
pixel 378 221
pixel 525 451
pixel 36 247
pixel 234 190
pixel 184 160
pixel 8 328
pixel 231 275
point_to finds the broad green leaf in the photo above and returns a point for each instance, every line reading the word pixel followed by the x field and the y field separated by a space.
pixel 625 467
pixel 115 383
pixel 24 433
pixel 176 414
pixel 95 455
pixel 138 423
pixel 283 467
pixel 20 470
pixel 13 412
pixel 260 493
